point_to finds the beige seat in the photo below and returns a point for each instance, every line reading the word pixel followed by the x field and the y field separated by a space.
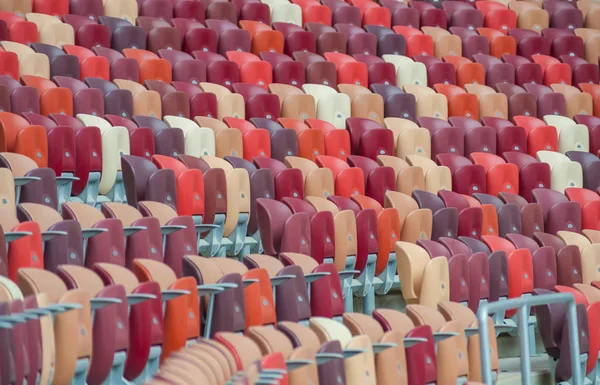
pixel 145 102
pixel 590 255
pixel 409 138
pixel 571 136
pixel 199 141
pixel 332 107
pixel 51 30
pixel 122 9
pixel 564 172
pixel 407 70
pixel 30 62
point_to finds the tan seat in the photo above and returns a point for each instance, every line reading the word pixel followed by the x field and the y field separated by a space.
pixel 228 103
pixel 228 141
pixel 530 16
pixel 408 178
pixel 578 103
pixel 436 177
pixel 590 255
pixel 145 102
pixel 295 104
pixel 591 41
pixel 425 281
pixel 429 103
pixel 407 139
pixel 318 182
pixel 415 222
pixel 491 103
pixel 364 103
pixel 444 43
pixel 122 9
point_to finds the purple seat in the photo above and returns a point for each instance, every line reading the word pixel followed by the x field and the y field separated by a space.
pixel 548 102
pixel 222 11
pixel 525 70
pixel 520 102
pixel 467 178
pixel 285 69
pixel 437 71
pixel 532 174
pixel 283 142
pixel 288 182
pixel 144 181
pixel 444 137
pixel 583 72
pixel 298 307
pixel 472 43
pixel 218 69
pixel 358 128
pixel 445 219
pixel 593 125
pixel 496 72
pixel 478 138
pixel 124 35
pixel 508 136
pixel 296 39
pixel 168 141
pixel 259 103
pixel 201 103
pixel 328 39
pixel 175 103
pixel 256 11
pixel 378 179
pixel 559 213
pixel 462 14
pixel 22 98
pixel 342 12
pixel 529 43
pixel 162 9
pixel 192 10
pixel 120 66
pixel 318 70
pixel 89 9
pixel 379 71
pixel 563 15
pixel 185 67
pixel 61 64
pixel 388 42
pixel 88 33
pixel 280 230
pixel 230 37
pixel 564 42
pixel 591 168
pixel 116 102
pixel 430 15
pixel 359 41
pixel 85 100
pixel 397 104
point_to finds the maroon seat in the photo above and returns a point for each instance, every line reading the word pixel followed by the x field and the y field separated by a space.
pixel 88 33
pixel 564 42
pixel 288 182
pixel 259 103
pixel 85 100
pixel 21 98
pixel 559 213
pixel 472 42
pixel 116 102
pixel 230 37
pixel 593 125
pixel 478 138
pixel 583 72
pixel 532 174
pixel 368 138
pixel 529 43
pixel 296 39
pixel 328 39
pixel 496 72
pixel 120 66
pixel 123 34
pixel 437 71
pixel 508 136
pixel 160 34
pixel 318 70
pixel 201 103
pixel 445 139
pixel 563 15
pixel 359 41
pixel 144 181
pixel 168 141
pixel 397 103
pixel 285 69
pixel 388 42
pixel 191 10
pixel 549 102
pixel 520 102
pixel 470 219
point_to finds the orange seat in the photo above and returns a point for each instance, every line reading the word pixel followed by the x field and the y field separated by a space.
pixel 257 143
pixel 310 144
pixel 500 176
pixel 53 99
pixel 349 71
pixel 500 44
pixel 17 135
pixel 91 66
pixel 264 39
pixel 460 103
pixel 27 251
pixel 417 43
pixel 252 69
pixel 467 72
pixel 258 299
pixel 553 71
pixel 540 137
pixel 151 66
